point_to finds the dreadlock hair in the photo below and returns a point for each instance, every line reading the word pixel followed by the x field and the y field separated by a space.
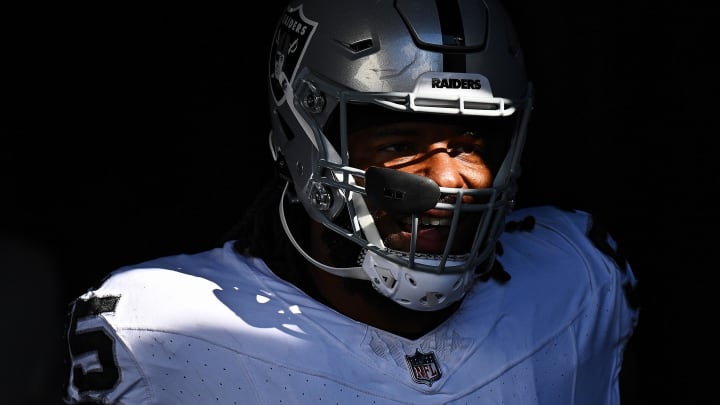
pixel 259 233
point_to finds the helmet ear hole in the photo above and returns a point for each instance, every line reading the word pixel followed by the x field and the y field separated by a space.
pixel 331 129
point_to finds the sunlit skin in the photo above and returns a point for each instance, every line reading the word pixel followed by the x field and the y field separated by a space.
pixel 449 155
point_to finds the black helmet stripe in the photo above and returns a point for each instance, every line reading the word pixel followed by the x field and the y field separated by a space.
pixel 453 34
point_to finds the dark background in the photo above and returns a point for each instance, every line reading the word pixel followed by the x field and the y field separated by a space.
pixel 131 133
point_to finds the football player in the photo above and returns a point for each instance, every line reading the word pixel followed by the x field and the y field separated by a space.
pixel 385 262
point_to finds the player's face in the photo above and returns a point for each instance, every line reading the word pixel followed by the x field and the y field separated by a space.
pixel 451 155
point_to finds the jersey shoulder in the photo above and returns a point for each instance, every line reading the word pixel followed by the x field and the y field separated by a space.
pixel 110 326
pixel 569 247
pixel 578 228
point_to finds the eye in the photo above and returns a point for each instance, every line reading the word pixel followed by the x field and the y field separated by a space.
pixel 398 148
pixel 466 148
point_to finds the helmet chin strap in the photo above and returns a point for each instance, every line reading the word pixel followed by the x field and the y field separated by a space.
pixel 350 272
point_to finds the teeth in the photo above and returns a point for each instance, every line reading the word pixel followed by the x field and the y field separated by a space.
pixel 432 221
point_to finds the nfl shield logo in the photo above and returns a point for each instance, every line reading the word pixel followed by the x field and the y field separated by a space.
pixel 424 368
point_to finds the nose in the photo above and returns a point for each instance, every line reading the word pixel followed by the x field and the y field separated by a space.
pixel 442 168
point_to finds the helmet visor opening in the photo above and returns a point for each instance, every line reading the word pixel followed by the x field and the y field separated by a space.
pixel 496 133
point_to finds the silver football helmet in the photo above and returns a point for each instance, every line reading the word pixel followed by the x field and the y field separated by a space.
pixel 448 60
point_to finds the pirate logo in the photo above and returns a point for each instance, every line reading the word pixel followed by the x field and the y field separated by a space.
pixel 424 368
pixel 292 35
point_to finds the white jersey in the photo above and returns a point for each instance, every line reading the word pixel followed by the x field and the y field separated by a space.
pixel 219 328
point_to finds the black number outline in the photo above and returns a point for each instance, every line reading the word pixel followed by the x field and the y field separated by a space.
pixel 96 340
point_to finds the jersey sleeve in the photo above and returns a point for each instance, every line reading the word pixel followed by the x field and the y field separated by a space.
pixel 607 326
pixel 102 369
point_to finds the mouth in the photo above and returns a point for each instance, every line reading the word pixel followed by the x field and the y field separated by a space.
pixel 433 233
pixel 426 221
